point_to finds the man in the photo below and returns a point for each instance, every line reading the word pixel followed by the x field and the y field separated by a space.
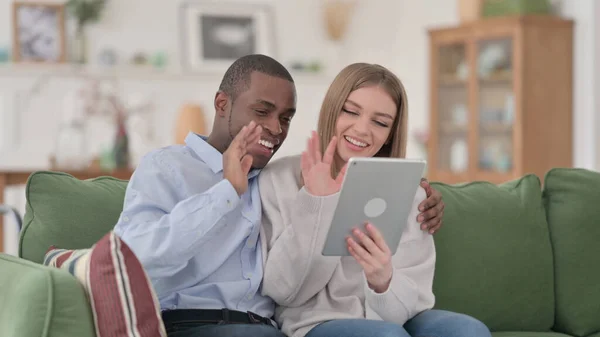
pixel 192 213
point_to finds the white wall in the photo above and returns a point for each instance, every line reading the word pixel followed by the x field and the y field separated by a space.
pixel 586 83
pixel 27 139
pixel 596 111
pixel 390 32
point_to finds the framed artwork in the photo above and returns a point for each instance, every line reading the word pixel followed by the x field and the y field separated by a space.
pixel 215 34
pixel 39 32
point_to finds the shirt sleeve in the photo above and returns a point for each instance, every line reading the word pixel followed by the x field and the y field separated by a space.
pixel 163 231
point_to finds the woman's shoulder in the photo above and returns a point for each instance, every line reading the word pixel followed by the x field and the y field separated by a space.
pixel 283 172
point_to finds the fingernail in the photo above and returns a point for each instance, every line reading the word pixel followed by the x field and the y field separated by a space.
pixel 420 218
pixel 423 227
pixel 421 208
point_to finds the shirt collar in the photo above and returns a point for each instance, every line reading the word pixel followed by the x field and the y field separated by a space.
pixel 211 156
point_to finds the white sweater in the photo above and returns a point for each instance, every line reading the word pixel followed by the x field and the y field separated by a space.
pixel 310 288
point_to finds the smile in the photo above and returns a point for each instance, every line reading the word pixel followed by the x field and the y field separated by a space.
pixel 355 142
pixel 266 144
pixel 265 148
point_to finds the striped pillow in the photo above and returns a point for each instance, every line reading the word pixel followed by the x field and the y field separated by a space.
pixel 122 299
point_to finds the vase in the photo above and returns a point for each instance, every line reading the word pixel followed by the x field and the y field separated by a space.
pixel 469 10
pixel 337 16
pixel 79 47
pixel 121 146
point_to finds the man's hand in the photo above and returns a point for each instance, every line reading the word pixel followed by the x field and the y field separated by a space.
pixel 236 161
pixel 432 209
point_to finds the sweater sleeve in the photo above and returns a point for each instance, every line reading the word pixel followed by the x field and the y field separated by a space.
pixel 410 290
pixel 297 222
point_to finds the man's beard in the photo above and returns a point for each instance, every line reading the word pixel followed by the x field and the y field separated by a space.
pixel 231 136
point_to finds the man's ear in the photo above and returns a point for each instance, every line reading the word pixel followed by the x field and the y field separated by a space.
pixel 221 102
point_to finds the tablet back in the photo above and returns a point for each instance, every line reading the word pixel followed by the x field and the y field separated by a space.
pixel 376 190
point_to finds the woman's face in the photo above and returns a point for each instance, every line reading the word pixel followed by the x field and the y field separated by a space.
pixel 364 123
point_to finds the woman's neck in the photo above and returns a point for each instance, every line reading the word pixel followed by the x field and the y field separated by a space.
pixel 338 164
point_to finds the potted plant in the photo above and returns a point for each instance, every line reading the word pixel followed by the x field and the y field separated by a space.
pixel 84 12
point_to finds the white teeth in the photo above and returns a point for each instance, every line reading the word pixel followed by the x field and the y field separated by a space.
pixel 266 143
pixel 355 142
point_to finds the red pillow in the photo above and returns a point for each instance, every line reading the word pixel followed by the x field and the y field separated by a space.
pixel 121 296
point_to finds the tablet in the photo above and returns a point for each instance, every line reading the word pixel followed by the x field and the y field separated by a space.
pixel 380 191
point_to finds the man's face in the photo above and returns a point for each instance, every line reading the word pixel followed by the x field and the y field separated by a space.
pixel 271 103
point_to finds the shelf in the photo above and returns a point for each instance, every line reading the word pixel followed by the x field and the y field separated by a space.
pixel 452 81
pixel 454 128
pixel 497 127
pixel 498 78
pixel 130 72
pixel 480 74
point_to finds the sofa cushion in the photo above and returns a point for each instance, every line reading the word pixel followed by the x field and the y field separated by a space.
pixel 572 203
pixel 66 212
pixel 494 258
pixel 528 334
pixel 41 301
pixel 122 299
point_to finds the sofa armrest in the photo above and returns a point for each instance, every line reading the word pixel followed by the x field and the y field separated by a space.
pixel 40 301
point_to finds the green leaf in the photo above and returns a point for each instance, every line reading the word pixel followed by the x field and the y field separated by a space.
pixel 86 11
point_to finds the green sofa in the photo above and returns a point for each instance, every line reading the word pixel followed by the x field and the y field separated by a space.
pixel 523 258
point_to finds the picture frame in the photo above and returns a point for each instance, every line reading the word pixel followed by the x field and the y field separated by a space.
pixel 215 34
pixel 39 32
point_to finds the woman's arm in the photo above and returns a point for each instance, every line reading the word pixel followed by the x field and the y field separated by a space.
pixel 296 224
pixel 410 289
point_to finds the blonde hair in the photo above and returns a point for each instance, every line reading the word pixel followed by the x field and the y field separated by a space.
pixel 356 76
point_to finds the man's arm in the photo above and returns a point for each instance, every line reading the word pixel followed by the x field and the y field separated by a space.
pixel 163 231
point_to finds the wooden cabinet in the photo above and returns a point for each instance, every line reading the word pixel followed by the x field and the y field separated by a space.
pixel 501 99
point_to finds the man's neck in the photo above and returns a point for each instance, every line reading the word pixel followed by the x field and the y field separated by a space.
pixel 217 143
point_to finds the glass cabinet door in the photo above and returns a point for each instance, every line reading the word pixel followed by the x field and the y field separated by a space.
pixel 452 107
pixel 496 105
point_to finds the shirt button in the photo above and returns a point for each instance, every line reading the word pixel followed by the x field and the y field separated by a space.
pixel 249 297
pixel 248 275
pixel 250 244
pixel 126 218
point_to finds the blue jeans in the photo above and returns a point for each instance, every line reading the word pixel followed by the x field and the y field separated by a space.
pixel 430 323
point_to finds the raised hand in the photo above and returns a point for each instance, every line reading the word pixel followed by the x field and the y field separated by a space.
pixel 236 160
pixel 316 169
pixel 372 252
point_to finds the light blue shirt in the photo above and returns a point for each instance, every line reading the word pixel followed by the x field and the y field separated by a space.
pixel 196 238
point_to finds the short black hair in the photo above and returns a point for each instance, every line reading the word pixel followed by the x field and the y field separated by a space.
pixel 237 76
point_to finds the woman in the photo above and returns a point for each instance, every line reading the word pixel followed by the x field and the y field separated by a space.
pixel 370 293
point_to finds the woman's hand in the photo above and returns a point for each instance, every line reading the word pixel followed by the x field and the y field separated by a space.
pixel 316 169
pixel 373 254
